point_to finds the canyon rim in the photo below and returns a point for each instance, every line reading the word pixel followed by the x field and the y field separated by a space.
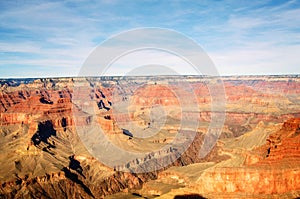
pixel 255 156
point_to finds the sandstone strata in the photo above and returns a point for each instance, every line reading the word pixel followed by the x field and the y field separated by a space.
pixel 43 156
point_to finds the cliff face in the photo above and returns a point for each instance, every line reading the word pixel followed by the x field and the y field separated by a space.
pixel 247 101
pixel 271 169
pixel 281 146
pixel 42 154
pixel 254 168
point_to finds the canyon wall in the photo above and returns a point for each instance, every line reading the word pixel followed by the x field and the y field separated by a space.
pixel 43 155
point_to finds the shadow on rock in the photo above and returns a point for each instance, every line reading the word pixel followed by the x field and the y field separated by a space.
pixel 44 132
pixel 75 165
pixel 189 196
pixel 74 178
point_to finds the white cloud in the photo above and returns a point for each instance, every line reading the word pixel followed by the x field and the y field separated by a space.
pixel 258 61
pixel 247 38
pixel 25 47
pixel 150 62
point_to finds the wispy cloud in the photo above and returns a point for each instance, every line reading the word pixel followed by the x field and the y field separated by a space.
pixel 263 40
pixel 55 37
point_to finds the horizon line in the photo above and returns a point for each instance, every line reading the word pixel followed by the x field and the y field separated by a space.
pixel 177 75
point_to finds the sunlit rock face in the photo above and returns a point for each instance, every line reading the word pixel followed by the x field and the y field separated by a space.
pixel 256 155
pixel 272 168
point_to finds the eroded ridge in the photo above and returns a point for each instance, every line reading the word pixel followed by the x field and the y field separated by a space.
pixel 256 156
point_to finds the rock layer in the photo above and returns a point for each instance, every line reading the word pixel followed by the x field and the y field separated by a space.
pixel 42 155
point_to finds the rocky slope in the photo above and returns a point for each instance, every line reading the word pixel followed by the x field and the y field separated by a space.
pixel 268 168
pixel 42 155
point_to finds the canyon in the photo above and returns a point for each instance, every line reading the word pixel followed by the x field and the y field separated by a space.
pixel 142 137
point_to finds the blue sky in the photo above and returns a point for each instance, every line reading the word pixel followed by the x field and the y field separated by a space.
pixel 53 38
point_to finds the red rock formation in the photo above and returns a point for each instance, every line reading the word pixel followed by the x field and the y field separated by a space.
pixel 151 95
pixel 271 169
pixel 281 146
